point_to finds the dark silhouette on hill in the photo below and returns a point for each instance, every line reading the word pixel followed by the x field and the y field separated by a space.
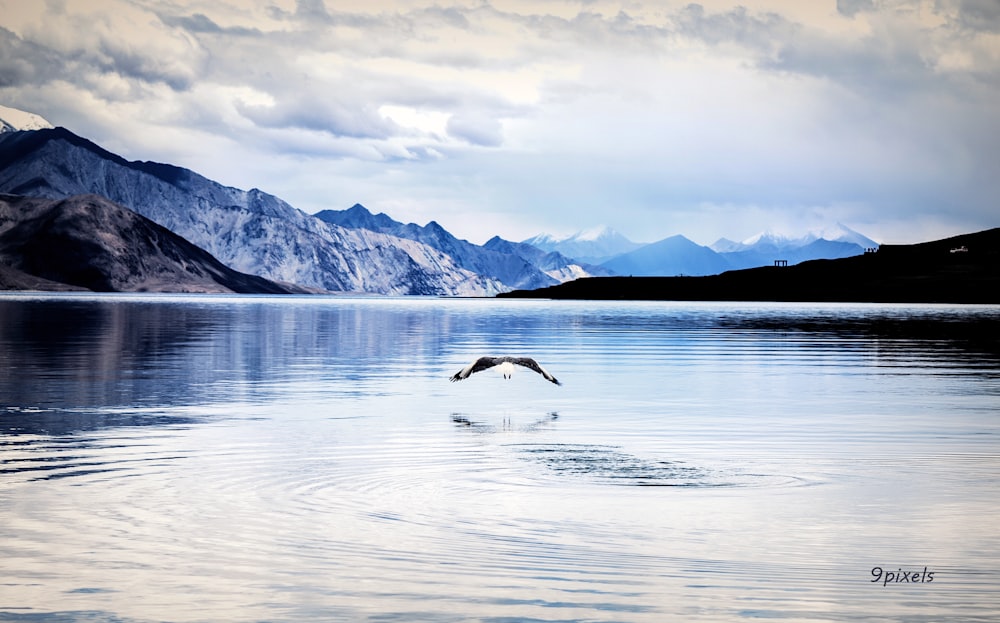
pixel 961 269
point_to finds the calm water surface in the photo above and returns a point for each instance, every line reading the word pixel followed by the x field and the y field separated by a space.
pixel 250 459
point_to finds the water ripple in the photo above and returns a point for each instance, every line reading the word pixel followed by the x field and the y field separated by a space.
pixel 612 465
pixel 259 460
pixel 29 458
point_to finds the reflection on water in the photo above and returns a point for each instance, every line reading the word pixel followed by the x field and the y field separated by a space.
pixel 611 464
pixel 505 423
pixel 211 458
pixel 72 361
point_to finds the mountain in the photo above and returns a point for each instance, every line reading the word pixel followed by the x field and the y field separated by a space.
pixel 354 250
pixel 359 217
pixel 678 255
pixel 841 233
pixel 14 120
pixel 593 246
pixel 961 269
pixel 766 255
pixel 766 247
pixel 509 270
pixel 250 231
pixel 675 255
pixel 87 242
pixel 771 240
pixel 725 245
pixel 552 263
pixel 512 264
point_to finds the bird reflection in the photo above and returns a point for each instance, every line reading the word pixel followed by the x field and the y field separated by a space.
pixel 507 424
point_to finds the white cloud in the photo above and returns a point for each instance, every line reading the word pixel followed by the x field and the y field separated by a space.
pixel 658 118
pixel 430 123
pixel 477 129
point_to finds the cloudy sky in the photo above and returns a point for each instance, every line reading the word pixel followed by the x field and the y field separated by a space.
pixel 514 117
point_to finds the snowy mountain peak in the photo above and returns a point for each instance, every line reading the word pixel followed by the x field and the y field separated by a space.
pixel 600 232
pixel 725 245
pixel 771 239
pixel 591 246
pixel 14 120
pixel 765 237
pixel 542 240
pixel 843 233
pixel 594 234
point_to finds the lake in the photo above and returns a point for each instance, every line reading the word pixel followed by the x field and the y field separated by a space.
pixel 250 459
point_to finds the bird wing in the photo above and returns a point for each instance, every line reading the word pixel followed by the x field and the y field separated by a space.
pixel 479 364
pixel 531 364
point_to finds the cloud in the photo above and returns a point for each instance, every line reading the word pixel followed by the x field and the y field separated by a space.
pixel 199 23
pixel 477 129
pixel 323 114
pixel 759 33
pixel 980 15
pixel 664 116
pixel 25 62
pixel 311 11
pixel 850 8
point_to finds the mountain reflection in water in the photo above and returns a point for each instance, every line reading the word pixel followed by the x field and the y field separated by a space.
pixel 227 458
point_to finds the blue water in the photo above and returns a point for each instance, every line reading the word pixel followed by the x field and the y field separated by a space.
pixel 251 459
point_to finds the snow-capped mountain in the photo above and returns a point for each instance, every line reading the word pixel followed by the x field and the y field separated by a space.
pixel 763 248
pixel 677 255
pixel 14 120
pixel 590 246
pixel 354 250
pixel 512 264
pixel 769 240
pixel 552 263
pixel 509 269
pixel 250 231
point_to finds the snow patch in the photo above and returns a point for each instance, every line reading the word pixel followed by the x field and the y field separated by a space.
pixel 14 120
pixel 834 233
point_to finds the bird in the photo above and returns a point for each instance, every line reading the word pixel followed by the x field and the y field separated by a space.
pixel 506 367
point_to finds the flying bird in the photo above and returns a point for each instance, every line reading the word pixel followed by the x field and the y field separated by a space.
pixel 506 367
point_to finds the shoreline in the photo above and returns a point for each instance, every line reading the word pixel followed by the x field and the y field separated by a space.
pixel 963 269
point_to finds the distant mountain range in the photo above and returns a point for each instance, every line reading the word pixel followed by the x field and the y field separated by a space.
pixel 961 269
pixel 257 234
pixel 594 246
pixel 677 255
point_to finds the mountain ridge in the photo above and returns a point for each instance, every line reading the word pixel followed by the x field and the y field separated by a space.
pixel 962 269
pixel 773 241
pixel 677 252
pixel 591 246
pixel 250 231
pixel 255 232
pixel 666 257
pixel 509 264
pixel 87 242
pixel 355 250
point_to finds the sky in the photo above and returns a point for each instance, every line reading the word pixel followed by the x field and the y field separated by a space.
pixel 517 117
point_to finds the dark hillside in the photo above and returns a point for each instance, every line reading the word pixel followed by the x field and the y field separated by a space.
pixel 961 269
pixel 88 242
